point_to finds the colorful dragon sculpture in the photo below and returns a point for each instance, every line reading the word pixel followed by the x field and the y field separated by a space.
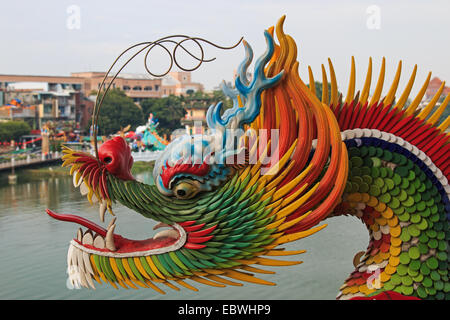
pixel 271 168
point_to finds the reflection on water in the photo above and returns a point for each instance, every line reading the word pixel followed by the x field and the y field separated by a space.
pixel 33 249
pixel 25 196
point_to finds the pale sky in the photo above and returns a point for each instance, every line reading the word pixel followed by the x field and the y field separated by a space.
pixel 36 38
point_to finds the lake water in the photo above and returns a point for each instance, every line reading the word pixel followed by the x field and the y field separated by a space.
pixel 33 250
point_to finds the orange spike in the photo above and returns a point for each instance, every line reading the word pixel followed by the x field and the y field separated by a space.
pixel 379 87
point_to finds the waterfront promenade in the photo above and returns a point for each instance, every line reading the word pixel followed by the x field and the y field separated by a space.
pixel 29 161
pixel 55 157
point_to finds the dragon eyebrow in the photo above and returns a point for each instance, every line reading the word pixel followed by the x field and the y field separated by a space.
pixel 169 172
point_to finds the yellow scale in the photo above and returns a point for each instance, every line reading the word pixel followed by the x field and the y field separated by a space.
pixel 392 256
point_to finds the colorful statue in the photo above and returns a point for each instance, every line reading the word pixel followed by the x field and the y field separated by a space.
pixel 148 135
pixel 269 171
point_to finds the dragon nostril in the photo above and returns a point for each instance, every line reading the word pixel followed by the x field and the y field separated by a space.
pixel 107 159
pixel 181 192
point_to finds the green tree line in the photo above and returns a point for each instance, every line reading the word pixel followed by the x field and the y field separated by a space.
pixel 118 110
pixel 13 130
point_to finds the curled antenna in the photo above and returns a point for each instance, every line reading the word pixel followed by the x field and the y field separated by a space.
pixel 147 47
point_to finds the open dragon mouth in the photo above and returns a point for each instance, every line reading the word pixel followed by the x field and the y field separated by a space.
pixel 104 242
pixel 100 254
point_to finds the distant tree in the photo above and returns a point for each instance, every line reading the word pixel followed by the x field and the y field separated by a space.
pixel 168 110
pixel 318 86
pixel 118 111
pixel 218 96
pixel 407 103
pixel 444 115
pixel 13 130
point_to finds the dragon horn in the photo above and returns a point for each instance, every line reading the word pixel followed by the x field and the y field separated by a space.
pixel 250 92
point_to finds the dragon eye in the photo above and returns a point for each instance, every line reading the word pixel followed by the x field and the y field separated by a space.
pixel 185 189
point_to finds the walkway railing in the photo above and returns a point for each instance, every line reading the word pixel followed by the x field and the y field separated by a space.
pixel 29 161
pixel 146 155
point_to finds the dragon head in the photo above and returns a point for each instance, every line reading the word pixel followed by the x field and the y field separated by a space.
pixel 229 198
pixel 115 155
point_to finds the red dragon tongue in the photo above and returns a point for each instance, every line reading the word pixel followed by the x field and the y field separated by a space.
pixel 79 220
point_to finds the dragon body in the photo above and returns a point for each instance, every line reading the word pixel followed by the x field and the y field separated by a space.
pixel 270 170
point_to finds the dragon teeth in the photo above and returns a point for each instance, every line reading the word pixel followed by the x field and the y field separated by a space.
pixel 87 238
pixel 76 183
pixel 166 233
pixel 102 210
pixel 99 242
pixel 113 221
pixel 160 225
pixel 84 189
pixel 79 234
pixel 94 198
pixel 110 238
